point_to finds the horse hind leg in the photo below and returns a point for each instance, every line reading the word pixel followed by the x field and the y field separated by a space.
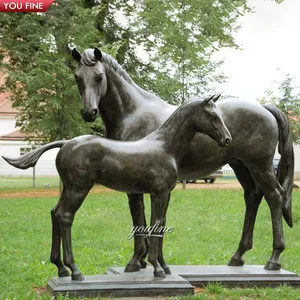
pixel 70 203
pixel 274 195
pixel 55 257
pixel 253 198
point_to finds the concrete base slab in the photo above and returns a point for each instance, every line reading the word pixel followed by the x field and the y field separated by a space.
pixel 122 285
pixel 248 275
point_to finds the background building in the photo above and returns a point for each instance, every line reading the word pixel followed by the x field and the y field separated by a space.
pixel 13 144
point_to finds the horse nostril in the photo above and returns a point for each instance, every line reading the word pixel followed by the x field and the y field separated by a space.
pixel 95 111
pixel 227 142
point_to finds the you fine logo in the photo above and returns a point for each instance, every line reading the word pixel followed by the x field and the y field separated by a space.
pixel 25 5
pixel 147 231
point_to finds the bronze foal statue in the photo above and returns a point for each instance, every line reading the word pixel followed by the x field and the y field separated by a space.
pixel 149 165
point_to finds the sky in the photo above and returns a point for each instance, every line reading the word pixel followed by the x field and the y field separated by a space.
pixel 270 40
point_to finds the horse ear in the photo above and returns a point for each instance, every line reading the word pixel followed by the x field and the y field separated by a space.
pixel 76 55
pixel 97 54
pixel 216 97
pixel 207 99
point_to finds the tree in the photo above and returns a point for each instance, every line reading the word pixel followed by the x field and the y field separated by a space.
pixel 41 71
pixel 181 36
pixel 287 98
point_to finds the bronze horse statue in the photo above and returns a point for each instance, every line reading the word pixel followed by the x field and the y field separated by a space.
pixel 149 165
pixel 130 113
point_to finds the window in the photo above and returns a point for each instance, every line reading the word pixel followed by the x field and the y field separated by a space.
pixel 24 150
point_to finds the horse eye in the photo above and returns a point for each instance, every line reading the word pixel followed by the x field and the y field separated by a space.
pixel 99 77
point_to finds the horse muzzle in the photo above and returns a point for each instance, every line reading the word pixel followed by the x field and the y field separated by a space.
pixel 89 116
pixel 225 142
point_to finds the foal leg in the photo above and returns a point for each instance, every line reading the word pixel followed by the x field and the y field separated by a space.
pixel 253 198
pixel 161 259
pixel 55 257
pixel 158 215
pixel 69 205
pixel 137 210
pixel 274 195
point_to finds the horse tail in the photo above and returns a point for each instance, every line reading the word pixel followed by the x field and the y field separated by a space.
pixel 30 159
pixel 285 172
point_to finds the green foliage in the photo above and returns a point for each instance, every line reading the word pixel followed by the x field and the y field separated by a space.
pixel 287 98
pixel 181 36
pixel 41 71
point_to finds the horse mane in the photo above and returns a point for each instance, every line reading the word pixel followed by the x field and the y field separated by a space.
pixel 88 58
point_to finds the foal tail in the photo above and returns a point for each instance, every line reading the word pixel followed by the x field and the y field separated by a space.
pixel 285 173
pixel 30 159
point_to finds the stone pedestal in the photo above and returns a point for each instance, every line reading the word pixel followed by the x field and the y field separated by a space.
pixel 249 275
pixel 122 285
pixel 184 278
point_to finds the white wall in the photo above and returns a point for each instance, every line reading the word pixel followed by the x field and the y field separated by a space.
pixel 7 124
pixel 44 167
pixel 297 161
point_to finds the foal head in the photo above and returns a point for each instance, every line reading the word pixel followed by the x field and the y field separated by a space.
pixel 91 79
pixel 209 121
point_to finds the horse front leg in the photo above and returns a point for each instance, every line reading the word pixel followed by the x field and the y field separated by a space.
pixel 137 210
pixel 159 205
pixel 55 257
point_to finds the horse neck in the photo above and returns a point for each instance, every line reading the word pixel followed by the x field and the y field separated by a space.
pixel 178 131
pixel 122 98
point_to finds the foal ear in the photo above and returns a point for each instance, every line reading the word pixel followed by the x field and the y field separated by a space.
pixel 97 54
pixel 76 55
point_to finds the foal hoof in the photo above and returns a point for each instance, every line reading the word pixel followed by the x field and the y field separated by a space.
pixel 235 262
pixel 78 277
pixel 64 273
pixel 272 266
pixel 143 264
pixel 132 268
pixel 159 274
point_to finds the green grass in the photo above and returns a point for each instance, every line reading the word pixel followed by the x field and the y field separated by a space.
pixel 207 228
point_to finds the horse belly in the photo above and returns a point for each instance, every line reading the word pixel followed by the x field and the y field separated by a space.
pixel 137 173
pixel 125 175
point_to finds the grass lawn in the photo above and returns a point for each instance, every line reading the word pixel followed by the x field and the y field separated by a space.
pixel 207 228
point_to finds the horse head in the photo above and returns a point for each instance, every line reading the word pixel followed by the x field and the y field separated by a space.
pixel 91 80
pixel 209 121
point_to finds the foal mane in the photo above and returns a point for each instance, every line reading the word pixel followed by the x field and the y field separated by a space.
pixel 88 58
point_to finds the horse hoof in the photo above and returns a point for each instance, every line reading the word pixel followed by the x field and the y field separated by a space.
pixel 132 268
pixel 159 274
pixel 272 266
pixel 143 264
pixel 167 269
pixel 235 262
pixel 78 277
pixel 64 273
